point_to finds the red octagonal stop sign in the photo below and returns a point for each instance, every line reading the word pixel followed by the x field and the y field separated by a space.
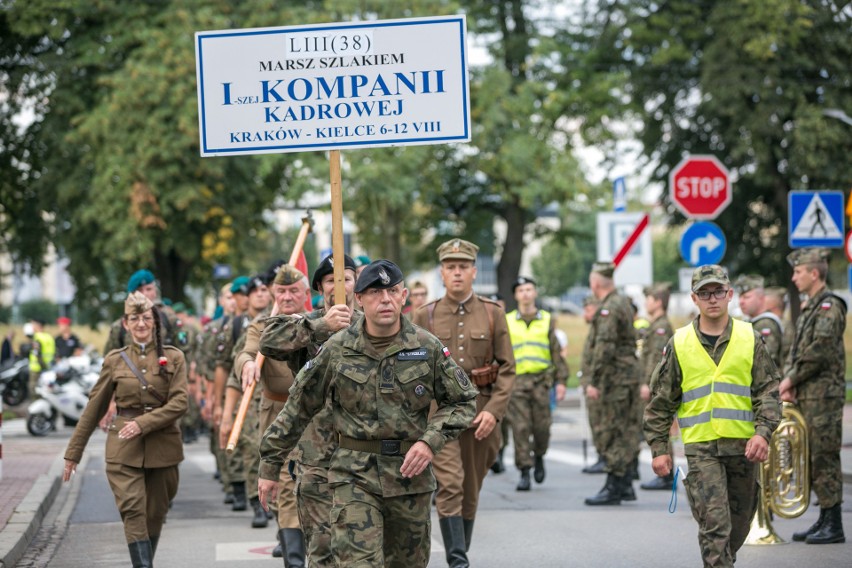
pixel 700 187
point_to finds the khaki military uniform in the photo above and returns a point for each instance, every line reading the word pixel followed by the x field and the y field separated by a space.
pixel 141 471
pixel 722 483
pixel 529 406
pixel 296 339
pixel 276 378
pixel 614 371
pixel 475 338
pixel 380 407
pixel 817 367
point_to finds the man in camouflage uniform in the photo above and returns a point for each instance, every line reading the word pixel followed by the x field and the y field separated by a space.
pixel 379 377
pixel 475 331
pixel 614 382
pixel 659 333
pixel 814 377
pixel 593 407
pixel 297 339
pixel 775 302
pixel 538 366
pixel 768 325
pixel 718 377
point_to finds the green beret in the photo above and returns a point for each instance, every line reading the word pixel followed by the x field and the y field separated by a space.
pixel 140 278
pixel 240 285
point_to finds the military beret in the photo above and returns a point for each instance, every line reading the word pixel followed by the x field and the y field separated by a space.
pixel 380 274
pixel 495 297
pixel 362 260
pixel 605 269
pixel 137 303
pixel 709 274
pixel 316 302
pixel 327 267
pixel 140 278
pixel 808 256
pixel 179 307
pixel 657 289
pixel 240 285
pixel 273 268
pixel 590 300
pixel 748 282
pixel 457 249
pixel 520 280
pixel 288 275
pixel 255 282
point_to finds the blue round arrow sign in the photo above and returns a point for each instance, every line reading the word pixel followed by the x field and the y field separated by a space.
pixel 703 243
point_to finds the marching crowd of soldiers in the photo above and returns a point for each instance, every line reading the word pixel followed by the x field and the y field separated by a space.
pixel 354 403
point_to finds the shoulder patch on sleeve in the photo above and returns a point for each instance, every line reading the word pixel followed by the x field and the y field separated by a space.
pixel 660 331
pixel 825 305
pixel 445 351
pixel 765 331
pixel 462 379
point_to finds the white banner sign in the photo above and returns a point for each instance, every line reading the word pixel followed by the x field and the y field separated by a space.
pixel 333 86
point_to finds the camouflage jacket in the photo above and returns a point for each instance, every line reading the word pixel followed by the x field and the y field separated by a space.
pixel 227 339
pixel 206 354
pixel 771 329
pixel 817 360
pixel 613 360
pixel 378 396
pixel 666 394
pixel 660 331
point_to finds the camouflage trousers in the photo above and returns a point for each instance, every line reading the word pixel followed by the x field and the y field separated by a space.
pixel 314 499
pixel 824 417
pixel 250 442
pixel 370 530
pixel 593 413
pixel 722 492
pixel 529 409
pixel 619 428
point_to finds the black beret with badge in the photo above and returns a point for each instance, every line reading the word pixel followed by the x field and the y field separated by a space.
pixel 380 274
pixel 255 282
pixel 327 267
pixel 520 281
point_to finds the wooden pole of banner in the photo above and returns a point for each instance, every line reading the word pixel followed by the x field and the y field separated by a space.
pixel 337 226
pixel 233 438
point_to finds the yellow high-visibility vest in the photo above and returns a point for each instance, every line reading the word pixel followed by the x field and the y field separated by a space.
pixel 47 346
pixel 716 400
pixel 530 344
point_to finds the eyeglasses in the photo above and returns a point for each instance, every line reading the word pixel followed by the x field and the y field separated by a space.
pixel 718 293
pixel 394 292
pixel 136 319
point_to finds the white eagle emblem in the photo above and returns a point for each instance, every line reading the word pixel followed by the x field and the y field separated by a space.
pixel 383 276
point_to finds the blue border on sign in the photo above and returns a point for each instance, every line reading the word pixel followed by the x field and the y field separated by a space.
pixel 384 141
pixel 797 204
pixel 696 231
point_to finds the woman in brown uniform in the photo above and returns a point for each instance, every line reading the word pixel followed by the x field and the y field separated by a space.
pixel 144 444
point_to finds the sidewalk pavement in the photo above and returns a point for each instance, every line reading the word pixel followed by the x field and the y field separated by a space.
pixel 32 474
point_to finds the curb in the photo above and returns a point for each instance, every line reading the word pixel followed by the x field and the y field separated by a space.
pixel 26 520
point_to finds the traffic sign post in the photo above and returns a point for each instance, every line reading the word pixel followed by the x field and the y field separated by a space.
pixel 815 219
pixel 849 247
pixel 700 187
pixel 703 243
pixel 625 239
pixel 619 195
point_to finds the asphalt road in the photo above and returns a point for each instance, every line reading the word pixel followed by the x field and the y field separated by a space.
pixel 546 527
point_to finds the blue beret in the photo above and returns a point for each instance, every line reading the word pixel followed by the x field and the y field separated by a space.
pixel 140 278
pixel 379 274
pixel 240 285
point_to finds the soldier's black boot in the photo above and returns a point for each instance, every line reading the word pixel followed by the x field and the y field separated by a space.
pixel 497 466
pixel 141 555
pixel 538 472
pixel 802 535
pixel 239 489
pixel 229 498
pixel 597 467
pixel 452 531
pixel 294 548
pixel 155 540
pixel 278 551
pixel 280 548
pixel 468 534
pixel 524 483
pixel 633 470
pixel 662 484
pixel 610 494
pixel 831 530
pixel 627 492
pixel 260 520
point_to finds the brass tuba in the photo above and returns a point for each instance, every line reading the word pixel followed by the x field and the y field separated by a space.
pixel 785 487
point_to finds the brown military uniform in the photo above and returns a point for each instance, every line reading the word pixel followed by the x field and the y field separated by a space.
pixel 142 471
pixel 474 339
pixel 276 378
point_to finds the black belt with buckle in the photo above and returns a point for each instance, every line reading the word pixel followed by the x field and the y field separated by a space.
pixel 381 447
pixel 133 412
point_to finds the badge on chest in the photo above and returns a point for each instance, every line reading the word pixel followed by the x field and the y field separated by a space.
pixel 412 355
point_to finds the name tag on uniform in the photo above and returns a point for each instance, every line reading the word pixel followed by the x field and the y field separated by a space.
pixel 413 355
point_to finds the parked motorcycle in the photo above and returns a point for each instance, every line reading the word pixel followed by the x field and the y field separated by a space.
pixel 14 379
pixel 64 391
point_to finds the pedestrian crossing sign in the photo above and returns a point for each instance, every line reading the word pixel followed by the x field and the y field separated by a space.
pixel 816 219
